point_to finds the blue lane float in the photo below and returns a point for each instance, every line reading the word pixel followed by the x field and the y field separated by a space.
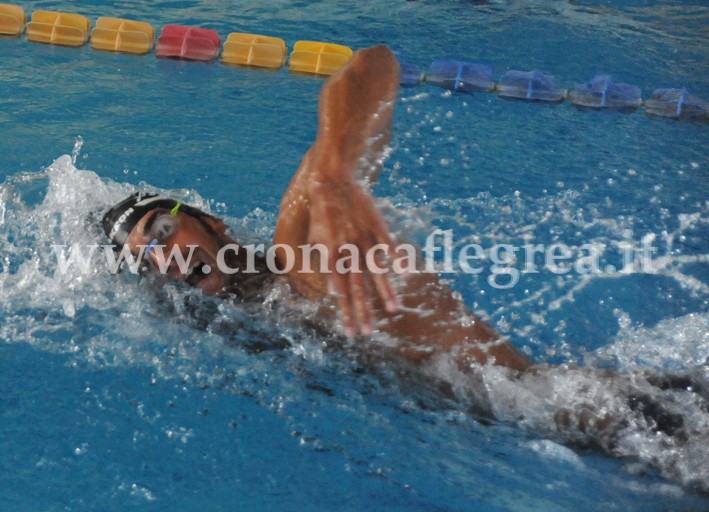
pixel 460 76
pixel 530 86
pixel 677 104
pixel 602 93
pixel 411 74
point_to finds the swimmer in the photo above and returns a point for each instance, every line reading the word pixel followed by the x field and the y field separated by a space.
pixel 328 202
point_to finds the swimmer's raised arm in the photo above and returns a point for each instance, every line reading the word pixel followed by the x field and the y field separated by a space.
pixel 328 202
pixel 355 112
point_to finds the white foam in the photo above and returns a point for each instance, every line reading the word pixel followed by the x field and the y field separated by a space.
pixel 554 451
pixel 104 320
pixel 584 406
pixel 674 345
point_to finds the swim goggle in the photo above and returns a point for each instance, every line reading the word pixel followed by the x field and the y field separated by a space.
pixel 160 227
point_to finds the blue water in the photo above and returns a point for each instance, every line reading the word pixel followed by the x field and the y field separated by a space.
pixel 111 399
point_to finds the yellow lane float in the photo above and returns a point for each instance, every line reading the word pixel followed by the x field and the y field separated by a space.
pixel 58 28
pixel 254 50
pixel 120 35
pixel 12 20
pixel 318 58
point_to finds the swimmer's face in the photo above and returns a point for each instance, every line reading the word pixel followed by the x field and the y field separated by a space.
pixel 176 233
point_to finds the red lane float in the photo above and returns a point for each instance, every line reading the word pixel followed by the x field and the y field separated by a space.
pixel 190 43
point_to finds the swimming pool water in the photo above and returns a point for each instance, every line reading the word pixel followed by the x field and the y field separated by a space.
pixel 112 399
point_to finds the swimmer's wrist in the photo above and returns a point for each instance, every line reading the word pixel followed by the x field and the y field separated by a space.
pixel 331 166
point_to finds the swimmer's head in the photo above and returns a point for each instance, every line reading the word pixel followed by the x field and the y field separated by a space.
pixel 119 221
pixel 157 226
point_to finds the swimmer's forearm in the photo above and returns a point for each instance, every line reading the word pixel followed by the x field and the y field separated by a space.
pixel 355 111
pixel 325 205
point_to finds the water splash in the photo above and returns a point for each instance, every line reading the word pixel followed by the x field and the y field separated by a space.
pixel 77 150
pixel 102 320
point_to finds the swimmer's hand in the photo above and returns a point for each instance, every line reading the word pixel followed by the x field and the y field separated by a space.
pixel 328 201
pixel 355 113
pixel 344 218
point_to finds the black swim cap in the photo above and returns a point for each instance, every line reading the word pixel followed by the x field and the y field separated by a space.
pixel 120 220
